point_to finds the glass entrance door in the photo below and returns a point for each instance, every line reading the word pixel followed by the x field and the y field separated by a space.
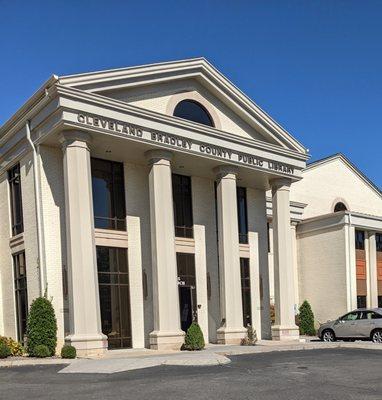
pixel 186 307
pixel 113 280
pixel 187 289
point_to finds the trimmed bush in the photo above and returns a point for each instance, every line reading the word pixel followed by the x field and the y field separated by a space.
pixel 306 319
pixel 68 351
pixel 41 351
pixel 41 327
pixel 194 339
pixel 16 348
pixel 5 351
pixel 251 337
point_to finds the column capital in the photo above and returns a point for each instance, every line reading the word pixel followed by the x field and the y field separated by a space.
pixel 280 184
pixel 153 156
pixel 70 138
pixel 222 171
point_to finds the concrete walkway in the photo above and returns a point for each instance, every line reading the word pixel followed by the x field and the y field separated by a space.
pixel 128 360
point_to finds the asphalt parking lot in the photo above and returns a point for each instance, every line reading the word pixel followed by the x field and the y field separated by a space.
pixel 310 374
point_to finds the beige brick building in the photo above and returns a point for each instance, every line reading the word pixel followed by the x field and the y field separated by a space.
pixel 142 199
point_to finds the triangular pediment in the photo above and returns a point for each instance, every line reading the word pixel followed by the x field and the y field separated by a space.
pixel 332 180
pixel 158 88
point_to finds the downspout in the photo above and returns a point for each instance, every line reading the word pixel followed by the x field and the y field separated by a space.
pixel 36 175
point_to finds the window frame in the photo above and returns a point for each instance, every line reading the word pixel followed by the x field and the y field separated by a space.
pixel 20 285
pixel 359 244
pixel 245 281
pixel 182 206
pixel 200 106
pixel 114 222
pixel 241 195
pixel 16 199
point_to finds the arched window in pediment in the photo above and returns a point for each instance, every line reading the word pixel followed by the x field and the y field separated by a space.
pixel 340 207
pixel 193 111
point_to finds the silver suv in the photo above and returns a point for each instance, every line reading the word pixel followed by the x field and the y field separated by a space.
pixel 362 323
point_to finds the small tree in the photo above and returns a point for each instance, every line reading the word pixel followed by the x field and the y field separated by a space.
pixel 251 337
pixel 41 326
pixel 194 339
pixel 306 319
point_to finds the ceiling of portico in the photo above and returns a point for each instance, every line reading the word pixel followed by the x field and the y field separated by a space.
pixel 118 149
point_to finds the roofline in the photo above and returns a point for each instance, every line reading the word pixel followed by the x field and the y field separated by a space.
pixel 274 128
pixel 28 105
pixel 342 157
pixel 201 61
pixel 122 69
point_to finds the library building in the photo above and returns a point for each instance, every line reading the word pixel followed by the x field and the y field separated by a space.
pixel 142 199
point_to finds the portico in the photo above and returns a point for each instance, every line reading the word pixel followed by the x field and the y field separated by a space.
pixel 157 232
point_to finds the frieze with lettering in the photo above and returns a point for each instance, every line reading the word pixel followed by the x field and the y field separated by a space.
pixel 127 129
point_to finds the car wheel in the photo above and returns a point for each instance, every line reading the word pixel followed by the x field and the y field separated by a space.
pixel 376 336
pixel 328 336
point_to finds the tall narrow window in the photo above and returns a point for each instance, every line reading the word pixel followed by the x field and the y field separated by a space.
pixel 21 294
pixel 246 291
pixel 378 240
pixel 181 187
pixel 108 194
pixel 242 214
pixel 360 268
pixel 114 295
pixel 360 240
pixel 14 180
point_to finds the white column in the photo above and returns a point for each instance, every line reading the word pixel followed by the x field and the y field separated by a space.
pixel 167 333
pixel 254 277
pixel 231 330
pixel 258 248
pixel 85 323
pixel 284 328
pixel 351 272
pixel 135 281
pixel 200 211
pixel 295 267
pixel 372 266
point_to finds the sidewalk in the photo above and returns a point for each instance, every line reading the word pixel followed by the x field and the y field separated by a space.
pixel 132 359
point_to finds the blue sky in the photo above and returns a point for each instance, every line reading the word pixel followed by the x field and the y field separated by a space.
pixel 314 66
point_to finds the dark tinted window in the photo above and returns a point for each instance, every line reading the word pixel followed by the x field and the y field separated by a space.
pixel 360 240
pixel 340 207
pixel 350 317
pixel 182 197
pixel 361 301
pixel 378 240
pixel 245 291
pixel 21 294
pixel 108 194
pixel 370 315
pixel 114 295
pixel 242 214
pixel 193 111
pixel 14 180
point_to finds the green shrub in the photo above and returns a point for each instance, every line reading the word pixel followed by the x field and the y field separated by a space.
pixel 306 319
pixel 194 339
pixel 5 351
pixel 41 351
pixel 68 351
pixel 251 337
pixel 16 348
pixel 41 326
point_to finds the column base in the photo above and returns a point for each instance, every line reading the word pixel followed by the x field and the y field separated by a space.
pixel 230 335
pixel 164 340
pixel 88 345
pixel 284 333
